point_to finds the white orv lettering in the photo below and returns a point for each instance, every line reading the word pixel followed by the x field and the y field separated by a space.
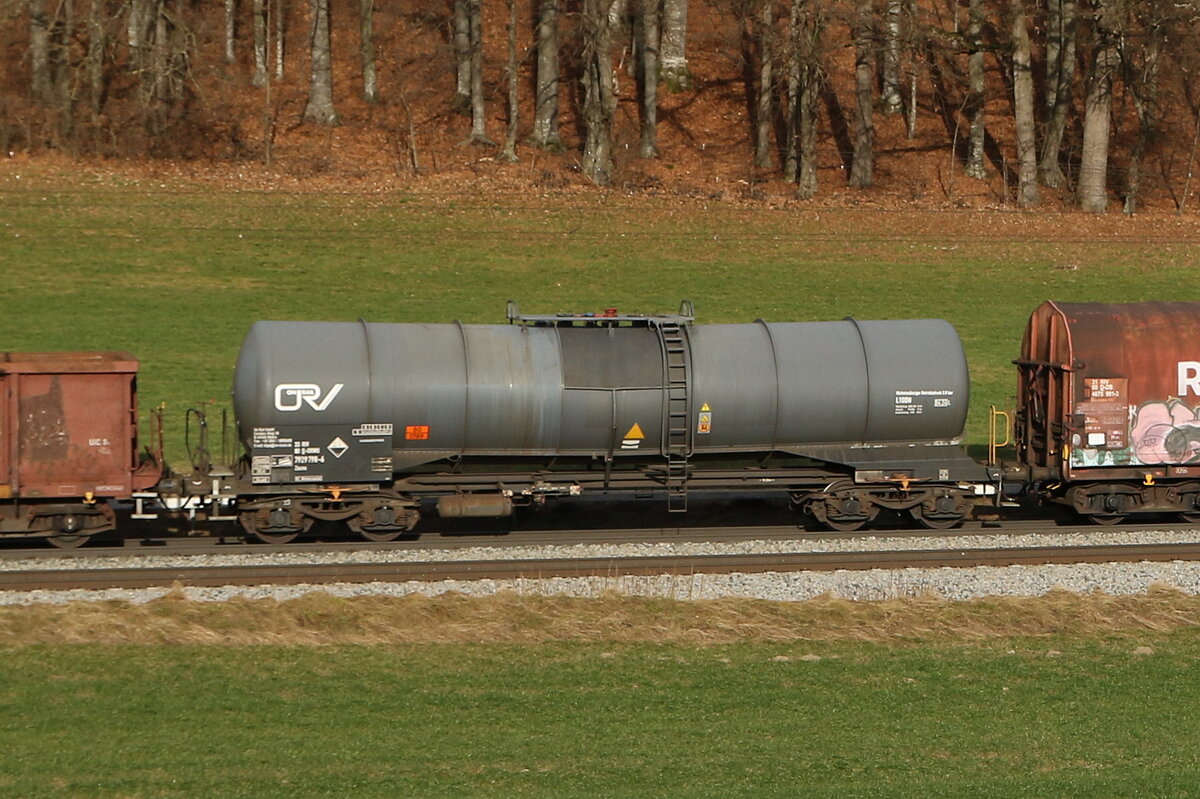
pixel 293 396
pixel 1189 377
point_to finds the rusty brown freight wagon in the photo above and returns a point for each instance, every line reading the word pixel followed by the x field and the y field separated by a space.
pixel 1108 406
pixel 68 442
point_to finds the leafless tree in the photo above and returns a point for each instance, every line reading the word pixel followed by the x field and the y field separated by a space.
pixel 976 99
pixel 97 47
pixel 1093 163
pixel 39 50
pixel 230 15
pixel 461 22
pixel 1141 58
pixel 1061 18
pixel 674 61
pixel 366 39
pixel 1027 191
pixel 509 153
pixel 803 88
pixel 545 123
pixel 862 166
pixel 320 93
pixel 259 11
pixel 892 101
pixel 280 14
pixel 764 106
pixel 475 40
pixel 648 35
pixel 599 94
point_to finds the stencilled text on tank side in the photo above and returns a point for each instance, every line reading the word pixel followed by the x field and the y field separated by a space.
pixel 299 455
pixel 913 402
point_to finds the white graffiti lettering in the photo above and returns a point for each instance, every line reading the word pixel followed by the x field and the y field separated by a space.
pixel 293 396
pixel 1189 377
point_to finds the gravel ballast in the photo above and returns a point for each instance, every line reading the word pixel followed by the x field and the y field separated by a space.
pixel 876 584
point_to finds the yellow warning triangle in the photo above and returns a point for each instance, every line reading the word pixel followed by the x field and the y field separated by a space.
pixel 635 431
pixel 705 407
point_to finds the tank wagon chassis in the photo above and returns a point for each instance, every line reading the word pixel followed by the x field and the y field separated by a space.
pixel 370 425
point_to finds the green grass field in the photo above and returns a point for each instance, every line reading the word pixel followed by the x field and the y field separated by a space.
pixel 1009 718
pixel 177 274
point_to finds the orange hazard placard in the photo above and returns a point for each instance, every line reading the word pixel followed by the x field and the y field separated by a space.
pixel 416 432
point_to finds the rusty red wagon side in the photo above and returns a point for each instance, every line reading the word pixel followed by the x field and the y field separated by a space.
pixel 68 442
pixel 1108 406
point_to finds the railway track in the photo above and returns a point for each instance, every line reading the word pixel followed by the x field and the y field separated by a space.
pixel 182 546
pixel 611 567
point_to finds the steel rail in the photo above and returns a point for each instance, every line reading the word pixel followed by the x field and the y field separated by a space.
pixel 31 549
pixel 209 576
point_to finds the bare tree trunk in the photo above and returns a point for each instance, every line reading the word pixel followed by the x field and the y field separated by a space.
pixel 62 70
pixel 96 48
pixel 135 29
pixel 599 96
pixel 230 11
pixel 509 153
pixel 1145 100
pixel 545 125
pixel 810 93
pixel 648 14
pixel 1093 162
pixel 478 110
pixel 462 56
pixel 804 32
pixel 976 100
pixel 39 50
pixel 1027 192
pixel 1060 75
pixel 791 165
pixel 260 44
pixel 366 38
pixel 320 91
pixel 160 53
pixel 892 102
pixel 280 30
pixel 764 111
pixel 862 165
pixel 675 72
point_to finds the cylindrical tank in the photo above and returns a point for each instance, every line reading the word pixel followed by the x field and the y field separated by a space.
pixel 595 388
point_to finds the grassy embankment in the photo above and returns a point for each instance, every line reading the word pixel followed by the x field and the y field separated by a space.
pixel 177 275
pixel 1062 696
pixel 658 699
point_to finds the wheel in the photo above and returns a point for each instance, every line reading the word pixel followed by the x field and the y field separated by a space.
pixel 845 512
pixel 382 524
pixel 70 531
pixel 276 527
pixel 845 524
pixel 1107 509
pixel 276 539
pixel 948 522
pixel 69 540
pixel 380 536
pixel 1190 518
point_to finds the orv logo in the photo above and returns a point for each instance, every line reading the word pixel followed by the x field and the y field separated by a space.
pixel 293 396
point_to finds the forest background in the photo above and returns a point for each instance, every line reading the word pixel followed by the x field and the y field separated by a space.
pixel 1086 104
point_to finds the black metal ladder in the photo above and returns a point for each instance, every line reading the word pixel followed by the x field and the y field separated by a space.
pixel 676 444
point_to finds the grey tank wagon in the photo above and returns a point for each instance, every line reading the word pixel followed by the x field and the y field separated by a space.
pixel 360 422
